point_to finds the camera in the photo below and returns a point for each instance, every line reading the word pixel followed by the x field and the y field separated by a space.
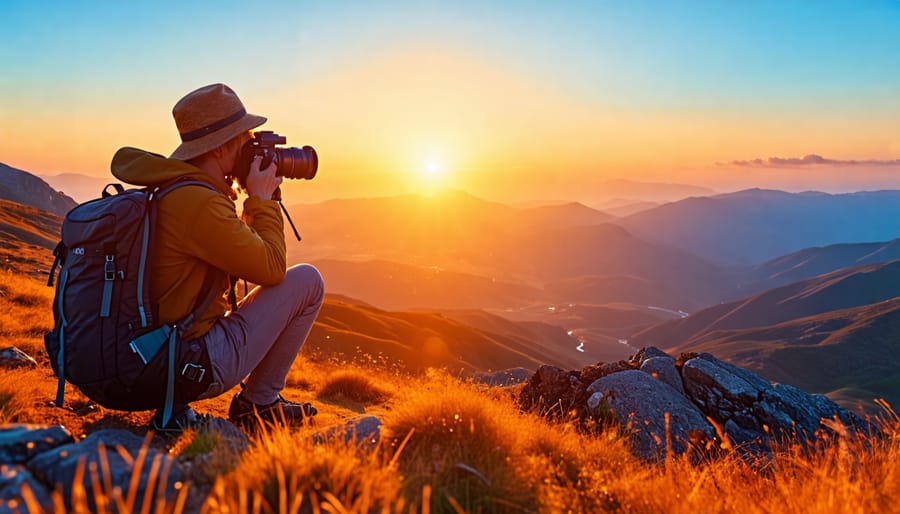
pixel 292 162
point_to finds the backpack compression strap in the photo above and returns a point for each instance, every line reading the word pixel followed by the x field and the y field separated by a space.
pixel 178 330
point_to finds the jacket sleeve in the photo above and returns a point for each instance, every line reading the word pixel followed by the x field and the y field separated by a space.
pixel 254 252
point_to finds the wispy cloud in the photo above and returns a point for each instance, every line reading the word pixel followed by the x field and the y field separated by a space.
pixel 808 160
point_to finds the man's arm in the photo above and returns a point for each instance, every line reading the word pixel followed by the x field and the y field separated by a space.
pixel 254 252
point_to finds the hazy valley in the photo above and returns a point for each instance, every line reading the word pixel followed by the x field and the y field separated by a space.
pixel 481 285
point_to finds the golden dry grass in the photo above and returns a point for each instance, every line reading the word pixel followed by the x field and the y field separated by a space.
pixel 452 446
pixel 25 314
pixel 353 384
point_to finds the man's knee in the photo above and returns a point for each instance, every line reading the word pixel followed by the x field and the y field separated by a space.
pixel 305 277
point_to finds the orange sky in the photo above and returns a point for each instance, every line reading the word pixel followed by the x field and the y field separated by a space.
pixel 502 118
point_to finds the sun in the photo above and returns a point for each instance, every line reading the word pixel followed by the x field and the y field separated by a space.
pixel 432 175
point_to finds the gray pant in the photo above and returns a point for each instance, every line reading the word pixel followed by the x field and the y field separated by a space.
pixel 264 335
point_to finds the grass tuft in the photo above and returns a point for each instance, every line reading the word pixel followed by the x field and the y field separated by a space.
pixel 354 385
pixel 287 473
pixel 12 408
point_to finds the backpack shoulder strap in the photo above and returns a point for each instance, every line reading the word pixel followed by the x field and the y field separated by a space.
pixel 167 188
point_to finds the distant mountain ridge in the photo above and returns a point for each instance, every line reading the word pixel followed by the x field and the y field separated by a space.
pixel 633 190
pixel 841 289
pixel 80 187
pixel 531 247
pixel 753 226
pixel 811 262
pixel 27 189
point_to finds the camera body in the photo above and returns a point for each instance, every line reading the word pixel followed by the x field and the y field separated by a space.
pixel 292 162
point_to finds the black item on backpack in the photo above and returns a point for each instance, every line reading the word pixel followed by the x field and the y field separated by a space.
pixel 105 339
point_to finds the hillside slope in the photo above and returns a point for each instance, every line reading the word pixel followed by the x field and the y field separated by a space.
pixel 811 262
pixel 417 340
pixel 27 238
pixel 27 189
pixel 842 289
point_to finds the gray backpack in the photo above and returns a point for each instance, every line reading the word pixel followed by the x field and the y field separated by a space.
pixel 106 338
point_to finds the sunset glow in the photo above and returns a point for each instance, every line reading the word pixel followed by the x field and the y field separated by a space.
pixel 568 97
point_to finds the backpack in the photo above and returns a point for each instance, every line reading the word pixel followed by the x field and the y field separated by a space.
pixel 106 339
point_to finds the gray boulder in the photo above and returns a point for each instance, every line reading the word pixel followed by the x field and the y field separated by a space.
pixel 640 402
pixel 663 369
pixel 19 443
pixel 13 480
pixel 364 432
pixel 12 357
pixel 646 353
pixel 752 410
pixel 230 435
pixel 554 392
pixel 58 466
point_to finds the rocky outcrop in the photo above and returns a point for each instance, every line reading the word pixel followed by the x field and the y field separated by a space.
pixel 48 457
pixel 702 397
pixel 748 406
pixel 626 395
pixel 555 393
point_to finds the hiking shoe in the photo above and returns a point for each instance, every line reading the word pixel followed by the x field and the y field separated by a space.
pixel 183 416
pixel 280 411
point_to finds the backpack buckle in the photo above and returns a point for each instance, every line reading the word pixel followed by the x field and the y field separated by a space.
pixel 193 372
pixel 109 269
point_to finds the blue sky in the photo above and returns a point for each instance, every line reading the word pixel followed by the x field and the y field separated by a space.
pixel 825 67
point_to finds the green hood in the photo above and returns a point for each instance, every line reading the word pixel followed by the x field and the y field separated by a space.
pixel 142 168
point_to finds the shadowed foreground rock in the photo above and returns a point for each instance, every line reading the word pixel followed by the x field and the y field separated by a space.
pixel 13 481
pixel 626 394
pixel 19 443
pixel 59 466
pixel 697 391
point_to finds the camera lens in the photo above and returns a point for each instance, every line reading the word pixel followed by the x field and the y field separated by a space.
pixel 297 163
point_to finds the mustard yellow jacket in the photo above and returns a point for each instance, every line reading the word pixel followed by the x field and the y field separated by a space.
pixel 198 232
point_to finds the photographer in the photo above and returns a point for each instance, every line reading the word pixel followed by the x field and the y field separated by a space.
pixel 201 245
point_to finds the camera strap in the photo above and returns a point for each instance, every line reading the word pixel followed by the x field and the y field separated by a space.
pixel 288 216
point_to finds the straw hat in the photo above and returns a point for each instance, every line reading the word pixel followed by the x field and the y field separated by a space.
pixel 208 117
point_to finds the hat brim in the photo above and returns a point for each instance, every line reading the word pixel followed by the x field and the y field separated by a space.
pixel 200 146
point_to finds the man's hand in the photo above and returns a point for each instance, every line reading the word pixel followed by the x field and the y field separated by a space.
pixel 262 183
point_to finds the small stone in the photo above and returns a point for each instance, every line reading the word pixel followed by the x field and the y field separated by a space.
pixel 364 431
pixel 12 357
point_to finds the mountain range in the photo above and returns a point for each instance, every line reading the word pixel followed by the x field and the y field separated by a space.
pixel 841 289
pixel 815 261
pixel 750 227
pixel 801 288
pixel 537 248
